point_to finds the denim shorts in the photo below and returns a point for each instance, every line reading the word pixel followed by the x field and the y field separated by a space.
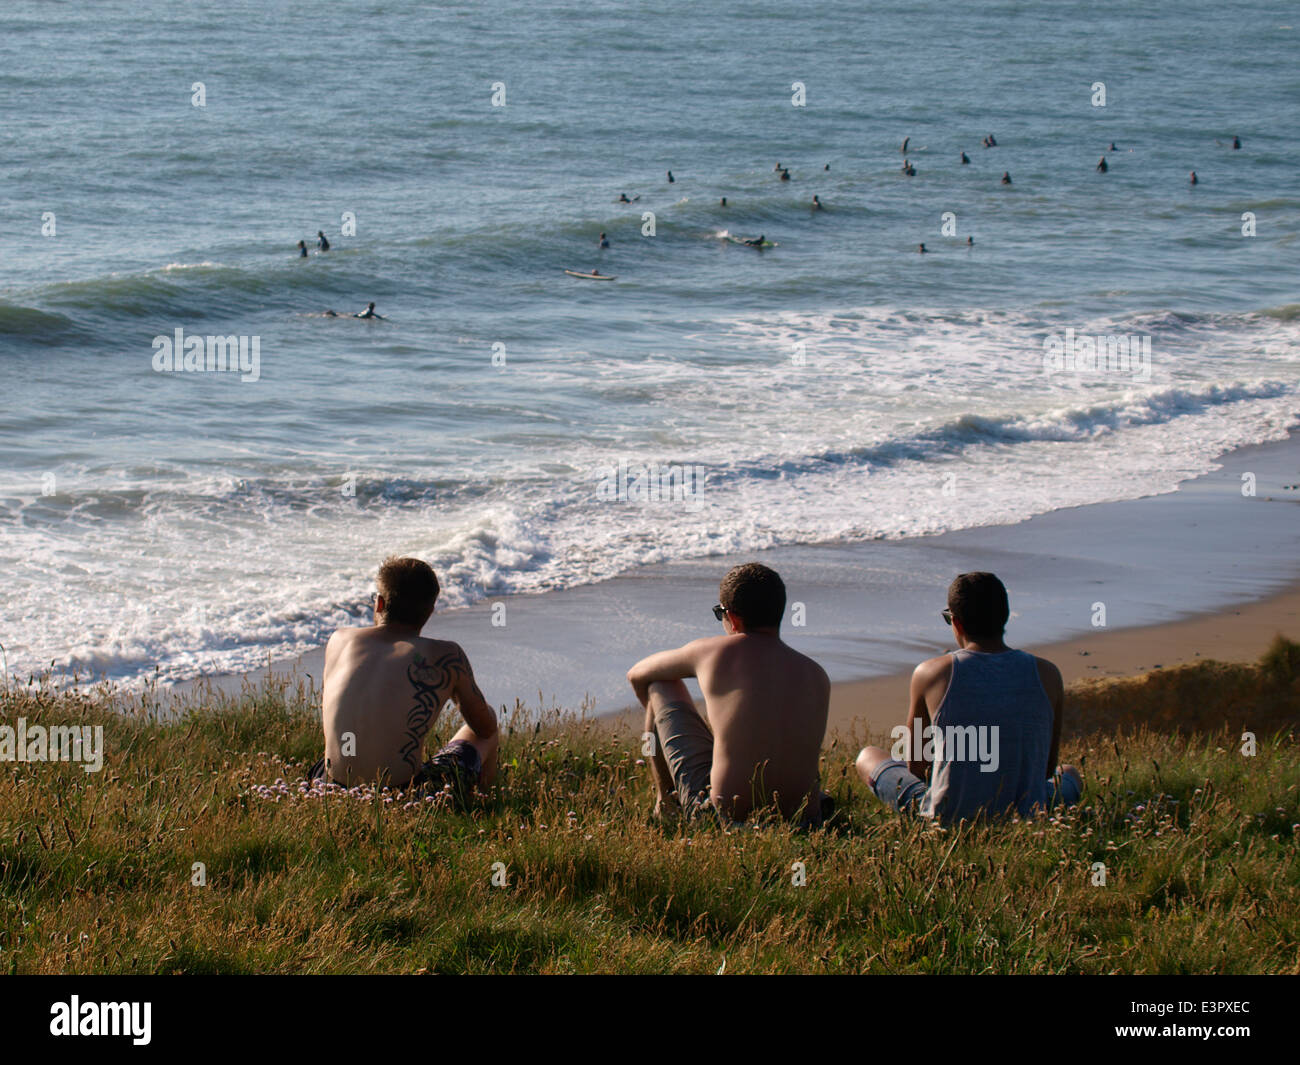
pixel 900 789
pixel 897 786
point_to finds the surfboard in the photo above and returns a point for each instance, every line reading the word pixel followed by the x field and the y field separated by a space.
pixel 745 243
pixel 592 277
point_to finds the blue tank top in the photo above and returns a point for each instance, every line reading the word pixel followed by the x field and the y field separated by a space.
pixel 993 735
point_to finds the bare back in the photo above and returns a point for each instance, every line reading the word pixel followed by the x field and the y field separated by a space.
pixel 767 705
pixel 383 691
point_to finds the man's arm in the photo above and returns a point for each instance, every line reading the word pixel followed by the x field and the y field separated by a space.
pixel 667 665
pixel 480 727
pixel 478 715
pixel 918 717
pixel 1055 688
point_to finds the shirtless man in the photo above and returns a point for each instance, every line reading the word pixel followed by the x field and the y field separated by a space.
pixel 384 687
pixel 983 728
pixel 765 705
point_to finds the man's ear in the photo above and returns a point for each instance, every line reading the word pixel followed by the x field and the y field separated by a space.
pixel 379 604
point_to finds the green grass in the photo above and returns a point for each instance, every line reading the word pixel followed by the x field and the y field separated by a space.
pixel 1199 844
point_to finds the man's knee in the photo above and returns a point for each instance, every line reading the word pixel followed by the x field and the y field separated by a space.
pixel 1068 785
pixel 664 692
pixel 868 759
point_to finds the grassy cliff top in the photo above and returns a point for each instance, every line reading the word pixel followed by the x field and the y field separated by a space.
pixel 194 849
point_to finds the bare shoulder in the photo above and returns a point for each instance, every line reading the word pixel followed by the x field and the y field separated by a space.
pixel 339 638
pixel 709 647
pixel 811 666
pixel 933 668
pixel 1050 676
pixel 444 654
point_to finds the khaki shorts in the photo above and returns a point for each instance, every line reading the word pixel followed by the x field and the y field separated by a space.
pixel 687 744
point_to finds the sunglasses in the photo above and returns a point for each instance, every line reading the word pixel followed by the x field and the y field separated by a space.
pixel 946 614
pixel 719 611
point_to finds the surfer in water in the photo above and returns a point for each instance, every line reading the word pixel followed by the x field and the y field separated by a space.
pixel 989 142
pixel 1006 177
pixel 671 179
pixel 321 242
pixel 722 202
pixel 604 243
pixel 302 249
pixel 785 175
pixel 920 248
pixel 624 198
pixel 817 204
pixel 909 169
pixel 369 312
pixel 1236 144
pixel 964 159
pixel 1193 178
pixel 755 242
pixel 970 242
pixel 903 149
pixel 1112 147
pixel 1103 166
pixel 827 166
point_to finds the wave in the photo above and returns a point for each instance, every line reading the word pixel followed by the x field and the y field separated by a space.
pixel 220 497
pixel 959 434
pixel 36 326
pixel 1289 312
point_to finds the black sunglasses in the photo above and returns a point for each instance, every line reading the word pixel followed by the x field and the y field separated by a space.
pixel 947 616
pixel 719 611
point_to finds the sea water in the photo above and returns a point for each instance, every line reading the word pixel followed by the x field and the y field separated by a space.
pixel 159 163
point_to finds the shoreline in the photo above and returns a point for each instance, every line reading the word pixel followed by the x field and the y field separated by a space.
pixel 1204 551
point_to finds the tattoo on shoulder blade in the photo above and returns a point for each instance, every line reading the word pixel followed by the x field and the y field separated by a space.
pixel 429 681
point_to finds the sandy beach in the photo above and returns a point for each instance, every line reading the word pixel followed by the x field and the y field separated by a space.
pixel 1235 634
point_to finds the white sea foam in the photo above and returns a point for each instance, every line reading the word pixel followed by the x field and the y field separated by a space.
pixel 870 438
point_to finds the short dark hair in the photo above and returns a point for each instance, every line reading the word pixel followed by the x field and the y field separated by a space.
pixel 979 602
pixel 409 587
pixel 755 594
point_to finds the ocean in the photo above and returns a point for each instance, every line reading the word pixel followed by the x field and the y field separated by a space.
pixel 526 431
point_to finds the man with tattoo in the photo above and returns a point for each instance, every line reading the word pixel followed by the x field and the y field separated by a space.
pixel 384 687
pixel 756 743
